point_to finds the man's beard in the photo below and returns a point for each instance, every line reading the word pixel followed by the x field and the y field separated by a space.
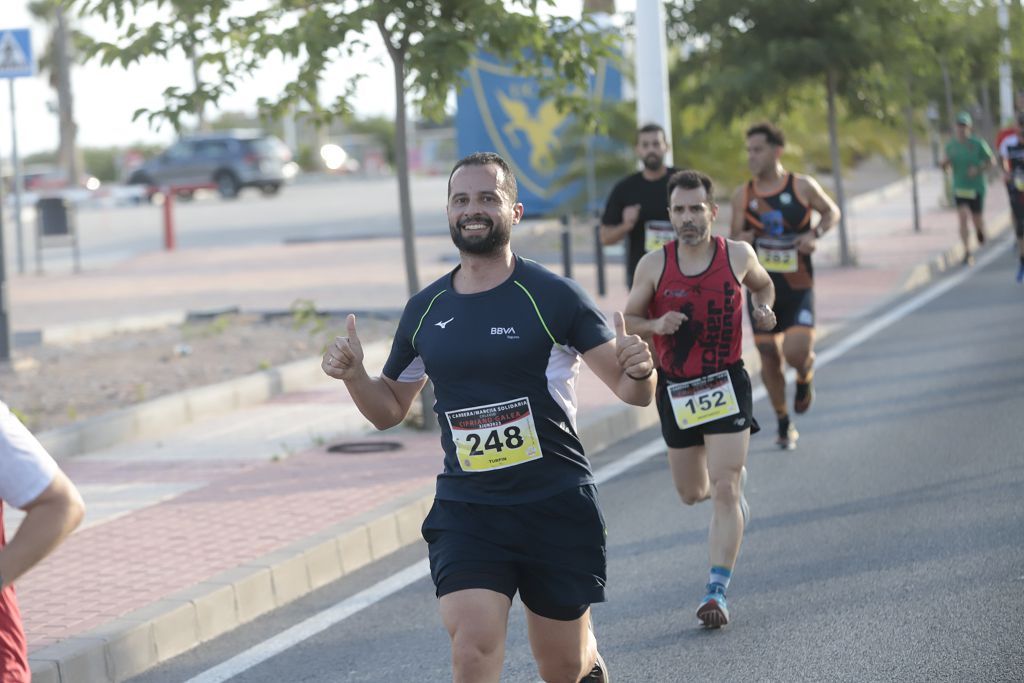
pixel 653 162
pixel 693 239
pixel 487 242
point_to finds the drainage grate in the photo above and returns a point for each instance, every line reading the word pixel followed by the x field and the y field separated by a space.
pixel 357 447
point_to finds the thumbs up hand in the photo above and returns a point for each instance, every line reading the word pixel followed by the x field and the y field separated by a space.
pixel 632 351
pixel 344 358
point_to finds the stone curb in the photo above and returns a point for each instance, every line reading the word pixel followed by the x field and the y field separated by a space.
pixel 142 639
pixel 161 415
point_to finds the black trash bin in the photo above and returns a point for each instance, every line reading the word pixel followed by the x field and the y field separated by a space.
pixel 53 217
pixel 55 226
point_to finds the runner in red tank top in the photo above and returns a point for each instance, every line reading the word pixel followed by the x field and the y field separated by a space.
pixel 712 301
pixel 689 296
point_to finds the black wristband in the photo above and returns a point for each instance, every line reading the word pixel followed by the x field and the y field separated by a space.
pixel 641 379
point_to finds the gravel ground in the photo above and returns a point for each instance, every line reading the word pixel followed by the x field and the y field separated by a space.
pixel 52 386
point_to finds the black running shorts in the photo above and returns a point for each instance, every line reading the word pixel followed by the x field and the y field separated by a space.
pixel 793 308
pixel 1017 206
pixel 976 203
pixel 551 551
pixel 694 436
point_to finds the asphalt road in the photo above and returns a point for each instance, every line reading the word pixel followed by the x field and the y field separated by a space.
pixel 889 546
pixel 321 208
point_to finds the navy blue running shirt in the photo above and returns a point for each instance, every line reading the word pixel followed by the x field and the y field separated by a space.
pixel 504 365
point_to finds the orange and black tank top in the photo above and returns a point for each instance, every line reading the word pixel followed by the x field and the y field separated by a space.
pixel 710 339
pixel 776 220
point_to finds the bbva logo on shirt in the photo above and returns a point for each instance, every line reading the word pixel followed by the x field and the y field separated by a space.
pixel 508 332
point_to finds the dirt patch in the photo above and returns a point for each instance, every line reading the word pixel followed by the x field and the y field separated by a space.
pixel 53 386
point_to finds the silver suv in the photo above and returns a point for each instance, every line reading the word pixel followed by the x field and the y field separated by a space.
pixel 225 161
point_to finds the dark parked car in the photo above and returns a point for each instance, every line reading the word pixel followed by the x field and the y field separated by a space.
pixel 226 161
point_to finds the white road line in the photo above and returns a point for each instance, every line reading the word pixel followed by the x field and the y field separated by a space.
pixel 346 608
pixel 319 622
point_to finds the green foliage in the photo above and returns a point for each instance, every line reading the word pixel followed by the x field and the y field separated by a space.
pixel 102 162
pixel 305 314
pixel 40 159
pixel 610 162
pixel 307 158
pixel 382 130
pixel 716 146
pixel 751 60
pixel 429 42
pixel 22 417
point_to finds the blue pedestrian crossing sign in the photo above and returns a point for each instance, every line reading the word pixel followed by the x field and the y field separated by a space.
pixel 16 53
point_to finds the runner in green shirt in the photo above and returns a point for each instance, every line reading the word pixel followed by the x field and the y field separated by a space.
pixel 968 157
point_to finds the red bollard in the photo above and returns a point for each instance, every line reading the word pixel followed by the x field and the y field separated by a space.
pixel 168 219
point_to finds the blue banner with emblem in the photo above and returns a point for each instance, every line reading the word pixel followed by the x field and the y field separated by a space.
pixel 500 111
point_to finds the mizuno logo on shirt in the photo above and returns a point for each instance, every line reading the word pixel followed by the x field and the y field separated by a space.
pixel 442 324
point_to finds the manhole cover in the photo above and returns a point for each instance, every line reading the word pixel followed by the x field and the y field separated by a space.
pixel 365 447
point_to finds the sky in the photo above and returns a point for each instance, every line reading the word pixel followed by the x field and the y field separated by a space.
pixel 106 97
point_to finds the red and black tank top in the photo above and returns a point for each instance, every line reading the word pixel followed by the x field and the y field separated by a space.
pixel 778 218
pixel 14 667
pixel 710 339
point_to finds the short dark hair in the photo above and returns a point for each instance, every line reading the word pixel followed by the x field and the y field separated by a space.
pixel 508 184
pixel 691 180
pixel 771 133
pixel 651 128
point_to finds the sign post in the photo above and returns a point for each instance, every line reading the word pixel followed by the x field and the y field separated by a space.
pixel 15 62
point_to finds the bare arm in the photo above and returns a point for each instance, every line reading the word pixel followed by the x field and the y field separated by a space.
pixel 625 365
pixel 381 400
pixel 644 282
pixel 737 220
pixel 820 202
pixel 612 234
pixel 48 520
pixel 753 275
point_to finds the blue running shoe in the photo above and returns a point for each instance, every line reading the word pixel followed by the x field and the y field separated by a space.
pixel 1020 274
pixel 713 612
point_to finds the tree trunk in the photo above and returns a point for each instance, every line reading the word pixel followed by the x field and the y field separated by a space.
pixel 402 170
pixel 202 124
pixel 67 153
pixel 912 143
pixel 405 203
pixel 845 259
pixel 986 129
pixel 950 114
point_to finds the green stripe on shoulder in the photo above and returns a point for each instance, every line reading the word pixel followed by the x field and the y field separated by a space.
pixel 413 340
pixel 537 309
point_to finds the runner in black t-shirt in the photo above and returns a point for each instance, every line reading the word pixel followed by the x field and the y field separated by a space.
pixel 516 507
pixel 637 208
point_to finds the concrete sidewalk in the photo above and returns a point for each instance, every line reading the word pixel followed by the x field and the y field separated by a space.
pixel 217 512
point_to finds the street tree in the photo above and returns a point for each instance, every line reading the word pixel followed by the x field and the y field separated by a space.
pixel 429 43
pixel 762 49
pixel 55 62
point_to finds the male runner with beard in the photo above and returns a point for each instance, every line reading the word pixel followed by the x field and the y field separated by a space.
pixel 636 207
pixel 689 296
pixel 516 507
pixel 773 212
